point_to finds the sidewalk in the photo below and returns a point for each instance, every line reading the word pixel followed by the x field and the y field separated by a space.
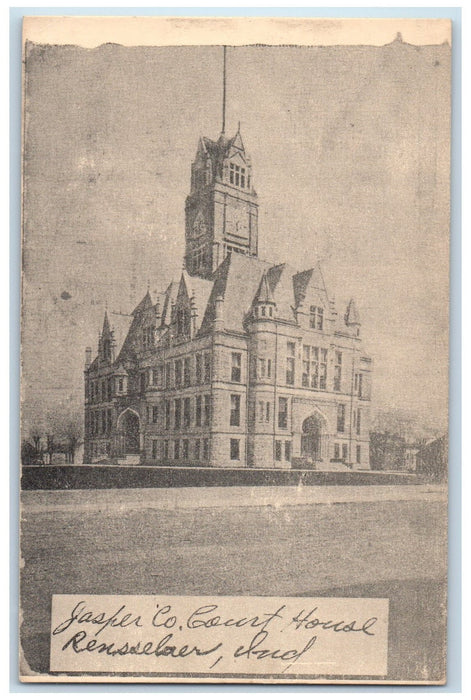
pixel 113 500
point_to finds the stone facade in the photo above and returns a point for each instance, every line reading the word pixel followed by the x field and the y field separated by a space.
pixel 243 363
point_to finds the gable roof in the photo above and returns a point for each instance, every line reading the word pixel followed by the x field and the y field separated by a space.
pixel 120 325
pixel 167 305
pixel 200 290
pixel 146 303
pixel 237 280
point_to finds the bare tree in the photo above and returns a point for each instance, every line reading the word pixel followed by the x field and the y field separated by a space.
pixel 65 429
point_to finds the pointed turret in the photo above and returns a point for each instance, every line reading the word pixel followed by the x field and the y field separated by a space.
pixel 237 142
pixel 352 317
pixel 106 325
pixel 264 303
pixel 106 342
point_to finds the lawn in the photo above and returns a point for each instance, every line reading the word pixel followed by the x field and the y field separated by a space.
pixel 394 549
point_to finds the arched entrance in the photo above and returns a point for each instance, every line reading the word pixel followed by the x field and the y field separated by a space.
pixel 129 431
pixel 311 437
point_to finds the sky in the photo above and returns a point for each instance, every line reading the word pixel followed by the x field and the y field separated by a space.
pixel 350 155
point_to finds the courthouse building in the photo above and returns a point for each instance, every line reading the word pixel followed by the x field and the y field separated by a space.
pixel 241 362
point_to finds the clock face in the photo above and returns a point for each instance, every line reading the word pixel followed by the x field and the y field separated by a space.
pixel 200 227
pixel 237 222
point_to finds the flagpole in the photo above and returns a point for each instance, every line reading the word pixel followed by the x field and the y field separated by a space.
pixel 224 91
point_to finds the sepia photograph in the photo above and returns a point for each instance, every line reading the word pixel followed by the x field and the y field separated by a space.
pixel 234 350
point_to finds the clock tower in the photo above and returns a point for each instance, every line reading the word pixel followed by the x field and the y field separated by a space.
pixel 221 212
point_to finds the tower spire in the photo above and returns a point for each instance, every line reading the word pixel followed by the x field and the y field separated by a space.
pixel 224 91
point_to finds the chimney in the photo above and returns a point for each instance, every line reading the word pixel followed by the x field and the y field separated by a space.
pixel 218 315
pixel 88 357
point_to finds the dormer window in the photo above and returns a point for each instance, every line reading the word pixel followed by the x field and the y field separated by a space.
pixel 316 317
pixel 237 175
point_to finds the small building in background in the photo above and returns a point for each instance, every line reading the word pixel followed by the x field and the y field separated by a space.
pixel 432 459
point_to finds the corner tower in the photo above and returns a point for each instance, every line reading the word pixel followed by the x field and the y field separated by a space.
pixel 221 213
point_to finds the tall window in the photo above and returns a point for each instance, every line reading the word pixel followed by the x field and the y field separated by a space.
pixel 358 421
pixel 156 376
pixel 168 375
pixel 186 412
pixel 178 373
pixel 186 372
pixel 262 367
pixel 109 388
pixel 336 452
pixel 341 418
pixel 199 369
pixel 360 385
pixel 167 416
pixel 316 317
pixel 278 450
pixel 260 410
pixel 207 409
pixel 165 449
pixel 338 371
pixel 288 450
pixel 178 413
pixel 290 362
pixel 358 454
pixel 236 359
pixel 183 322
pixel 186 449
pixel 206 448
pixel 314 367
pixel 207 367
pixel 143 381
pixel 306 365
pixel 264 411
pixel 235 448
pixel 155 414
pixel 237 175
pixel 197 449
pixel 148 337
pixel 235 410
pixel 344 452
pixel 282 412
pixel 154 449
pixel 176 449
pixel 198 411
pixel 120 384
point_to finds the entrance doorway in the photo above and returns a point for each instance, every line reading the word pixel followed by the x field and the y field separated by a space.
pixel 311 438
pixel 129 429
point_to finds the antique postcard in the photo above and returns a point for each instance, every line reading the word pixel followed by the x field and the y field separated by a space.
pixel 235 291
